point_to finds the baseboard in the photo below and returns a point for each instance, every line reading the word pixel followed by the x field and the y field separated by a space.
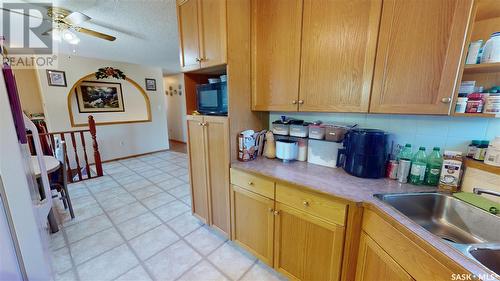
pixel 177 141
pixel 134 155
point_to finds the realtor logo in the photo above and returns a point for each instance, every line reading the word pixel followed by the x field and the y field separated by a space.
pixel 24 26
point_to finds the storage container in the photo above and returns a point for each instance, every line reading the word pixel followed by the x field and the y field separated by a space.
pixel 323 153
pixel 492 156
pixel 335 133
pixel 317 132
pixel 492 104
pixel 491 49
pixel 280 128
pixel 299 130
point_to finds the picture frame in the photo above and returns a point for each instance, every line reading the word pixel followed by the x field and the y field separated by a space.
pixel 99 97
pixel 150 84
pixel 56 78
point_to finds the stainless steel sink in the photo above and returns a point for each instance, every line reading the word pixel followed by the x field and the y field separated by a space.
pixel 471 230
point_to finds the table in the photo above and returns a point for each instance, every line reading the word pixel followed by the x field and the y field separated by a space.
pixel 51 164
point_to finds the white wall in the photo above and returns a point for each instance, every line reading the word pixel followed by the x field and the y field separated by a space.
pixel 115 141
pixel 176 108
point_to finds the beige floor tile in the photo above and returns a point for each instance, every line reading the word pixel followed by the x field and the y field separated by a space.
pixel 186 200
pixel 178 172
pixel 153 241
pixel 57 240
pixel 184 224
pixel 171 210
pixel 83 201
pixel 136 184
pixel 204 240
pixel 231 260
pixel 94 245
pixel 180 191
pixel 150 173
pixel 61 260
pixel 169 184
pixel 86 228
pixel 75 193
pixel 69 275
pixel 82 214
pixel 145 192
pixel 159 178
pixel 128 179
pixel 102 196
pixel 172 262
pixel 184 178
pixel 262 272
pixel 109 265
pixel 157 200
pixel 117 202
pixel 138 225
pixel 127 212
pixel 203 271
pixel 136 274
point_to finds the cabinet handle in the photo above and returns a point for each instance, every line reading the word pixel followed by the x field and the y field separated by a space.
pixel 301 101
pixel 200 124
pixel 271 210
pixel 198 59
pixel 276 213
pixel 294 102
pixel 446 100
pixel 250 183
pixel 305 203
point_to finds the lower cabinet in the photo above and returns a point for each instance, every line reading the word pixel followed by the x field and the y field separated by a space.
pixel 253 220
pixel 303 244
pixel 306 247
pixel 375 264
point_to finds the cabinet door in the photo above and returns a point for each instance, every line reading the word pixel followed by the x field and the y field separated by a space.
pixel 375 264
pixel 275 40
pixel 197 168
pixel 418 55
pixel 338 54
pixel 187 17
pixel 217 147
pixel 253 223
pixel 306 247
pixel 213 32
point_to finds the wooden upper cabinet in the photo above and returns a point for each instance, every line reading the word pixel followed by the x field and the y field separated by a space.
pixel 339 40
pixel 275 44
pixel 418 55
pixel 375 264
pixel 187 15
pixel 197 168
pixel 213 32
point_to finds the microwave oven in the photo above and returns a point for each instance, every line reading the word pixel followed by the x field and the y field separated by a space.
pixel 212 98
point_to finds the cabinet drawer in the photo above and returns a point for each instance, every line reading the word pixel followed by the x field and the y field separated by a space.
pixel 312 203
pixel 253 183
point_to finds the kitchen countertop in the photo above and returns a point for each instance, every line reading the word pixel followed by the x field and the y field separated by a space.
pixel 338 183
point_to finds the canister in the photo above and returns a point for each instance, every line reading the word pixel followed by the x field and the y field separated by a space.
pixel 300 130
pixel 316 132
pixel 280 128
pixel 335 133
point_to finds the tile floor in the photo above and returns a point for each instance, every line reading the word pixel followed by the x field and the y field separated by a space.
pixel 135 224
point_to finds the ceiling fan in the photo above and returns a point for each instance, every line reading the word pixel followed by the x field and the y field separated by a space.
pixel 66 22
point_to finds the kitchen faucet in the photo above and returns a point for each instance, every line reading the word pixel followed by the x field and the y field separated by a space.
pixel 480 191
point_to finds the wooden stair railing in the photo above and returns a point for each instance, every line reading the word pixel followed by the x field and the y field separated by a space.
pixel 50 138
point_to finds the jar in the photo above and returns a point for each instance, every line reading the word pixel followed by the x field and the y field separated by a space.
pixel 492 104
pixel 280 128
pixel 475 103
pixel 317 132
pixel 302 154
pixel 472 148
pixel 481 150
pixel 492 156
pixel 461 105
pixel 491 49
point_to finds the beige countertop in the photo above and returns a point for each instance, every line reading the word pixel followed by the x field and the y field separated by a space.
pixel 338 183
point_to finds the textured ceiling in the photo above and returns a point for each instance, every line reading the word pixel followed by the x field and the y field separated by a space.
pixel 146 31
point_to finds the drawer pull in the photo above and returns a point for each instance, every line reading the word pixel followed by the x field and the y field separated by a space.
pixel 250 183
pixel 271 210
pixel 276 213
pixel 305 203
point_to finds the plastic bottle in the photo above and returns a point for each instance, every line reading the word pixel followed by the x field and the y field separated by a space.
pixel 405 153
pixel 418 167
pixel 433 171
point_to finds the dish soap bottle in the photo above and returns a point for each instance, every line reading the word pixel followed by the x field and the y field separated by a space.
pixel 418 166
pixel 434 163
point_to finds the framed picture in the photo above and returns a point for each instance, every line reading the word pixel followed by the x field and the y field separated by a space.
pixel 150 84
pixel 95 97
pixel 56 78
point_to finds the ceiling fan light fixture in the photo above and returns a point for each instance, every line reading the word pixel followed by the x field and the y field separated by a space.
pixel 74 41
pixel 68 35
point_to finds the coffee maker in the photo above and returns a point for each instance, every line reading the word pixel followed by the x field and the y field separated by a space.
pixel 365 153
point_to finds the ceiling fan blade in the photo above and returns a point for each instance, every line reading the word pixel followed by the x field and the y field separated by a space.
pixel 76 18
pixel 95 33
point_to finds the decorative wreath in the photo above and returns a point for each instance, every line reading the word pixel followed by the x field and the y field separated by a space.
pixel 106 72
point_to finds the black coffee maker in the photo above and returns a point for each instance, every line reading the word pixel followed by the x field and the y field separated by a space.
pixel 365 153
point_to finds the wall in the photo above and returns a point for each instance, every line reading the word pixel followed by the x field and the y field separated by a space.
pixel 176 108
pixel 118 140
pixel 451 133
pixel 29 90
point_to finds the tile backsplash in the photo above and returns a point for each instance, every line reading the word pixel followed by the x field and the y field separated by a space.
pixel 450 133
